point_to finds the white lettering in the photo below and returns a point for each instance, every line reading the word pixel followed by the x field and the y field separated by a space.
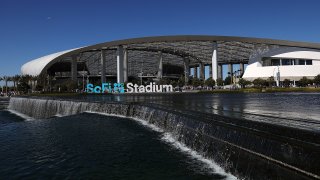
pixel 168 88
pixel 136 88
pixel 149 88
pixel 129 87
pixel 141 89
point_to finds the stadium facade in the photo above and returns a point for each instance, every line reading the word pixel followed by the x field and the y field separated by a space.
pixel 175 56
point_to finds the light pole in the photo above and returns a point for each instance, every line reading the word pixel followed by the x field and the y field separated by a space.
pixel 236 75
pixel 83 82
pixel 83 79
pixel 278 77
pixel 140 74
pixel 88 79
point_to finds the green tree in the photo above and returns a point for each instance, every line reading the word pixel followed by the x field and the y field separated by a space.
pixel 39 87
pixel 210 82
pixel 71 85
pixel 270 81
pixel 181 81
pixel 196 82
pixel 23 85
pixel 227 80
pixel 174 83
pixel 259 82
pixel 243 83
pixel 304 81
pixel 219 82
pixel 42 80
pixel 16 79
pixel 34 81
pixel 316 80
pixel 1 79
pixel 286 82
pixel 164 81
pixel 6 80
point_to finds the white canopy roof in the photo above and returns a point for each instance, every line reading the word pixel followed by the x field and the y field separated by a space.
pixel 35 66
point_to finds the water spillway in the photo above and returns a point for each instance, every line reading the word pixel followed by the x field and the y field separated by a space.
pixel 251 150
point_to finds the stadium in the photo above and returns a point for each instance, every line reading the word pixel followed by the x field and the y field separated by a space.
pixel 151 59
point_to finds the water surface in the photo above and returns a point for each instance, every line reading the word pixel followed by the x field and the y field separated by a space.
pixel 298 110
pixel 92 146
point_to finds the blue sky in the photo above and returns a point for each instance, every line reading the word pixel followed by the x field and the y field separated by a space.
pixel 33 28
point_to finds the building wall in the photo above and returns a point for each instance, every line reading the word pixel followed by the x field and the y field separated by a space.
pixel 255 68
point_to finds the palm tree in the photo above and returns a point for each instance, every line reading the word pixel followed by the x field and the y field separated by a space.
pixel 28 79
pixel 15 80
pixel 34 82
pixel 1 79
pixel 6 79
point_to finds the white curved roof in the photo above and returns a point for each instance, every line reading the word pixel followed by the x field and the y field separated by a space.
pixel 300 55
pixel 35 66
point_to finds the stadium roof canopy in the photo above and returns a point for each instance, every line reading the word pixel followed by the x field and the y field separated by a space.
pixel 197 48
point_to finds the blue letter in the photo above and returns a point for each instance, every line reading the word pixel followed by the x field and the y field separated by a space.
pixel 89 88
pixel 106 86
pixel 97 89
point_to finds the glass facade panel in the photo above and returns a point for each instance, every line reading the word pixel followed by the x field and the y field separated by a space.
pixel 266 62
pixel 275 62
pixel 308 62
pixel 287 62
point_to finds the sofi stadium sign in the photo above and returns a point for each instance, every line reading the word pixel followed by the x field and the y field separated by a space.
pixel 130 88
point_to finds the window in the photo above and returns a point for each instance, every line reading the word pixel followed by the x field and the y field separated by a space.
pixel 266 62
pixel 275 62
pixel 287 62
pixel 308 62
pixel 301 62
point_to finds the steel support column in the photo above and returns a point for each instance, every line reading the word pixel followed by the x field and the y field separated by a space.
pixel 201 66
pixel 241 69
pixel 103 66
pixel 160 68
pixel 120 64
pixel 125 66
pixel 220 71
pixel 230 70
pixel 214 62
pixel 186 71
pixel 195 72
pixel 74 67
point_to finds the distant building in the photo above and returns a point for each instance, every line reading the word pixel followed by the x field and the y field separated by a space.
pixel 293 63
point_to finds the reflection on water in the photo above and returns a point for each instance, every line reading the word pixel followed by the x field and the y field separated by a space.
pixel 285 105
pixel 91 146
pixel 300 110
pixel 293 109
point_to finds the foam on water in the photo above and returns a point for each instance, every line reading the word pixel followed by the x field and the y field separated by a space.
pixel 167 137
pixel 143 122
pixel 60 115
pixel 27 118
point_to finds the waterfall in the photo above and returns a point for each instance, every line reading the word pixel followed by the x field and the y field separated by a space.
pixel 242 148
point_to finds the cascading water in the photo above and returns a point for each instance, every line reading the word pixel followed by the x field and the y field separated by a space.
pixel 243 149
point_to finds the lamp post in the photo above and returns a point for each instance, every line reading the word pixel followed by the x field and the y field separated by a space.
pixel 278 77
pixel 88 79
pixel 140 74
pixel 83 82
pixel 83 79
